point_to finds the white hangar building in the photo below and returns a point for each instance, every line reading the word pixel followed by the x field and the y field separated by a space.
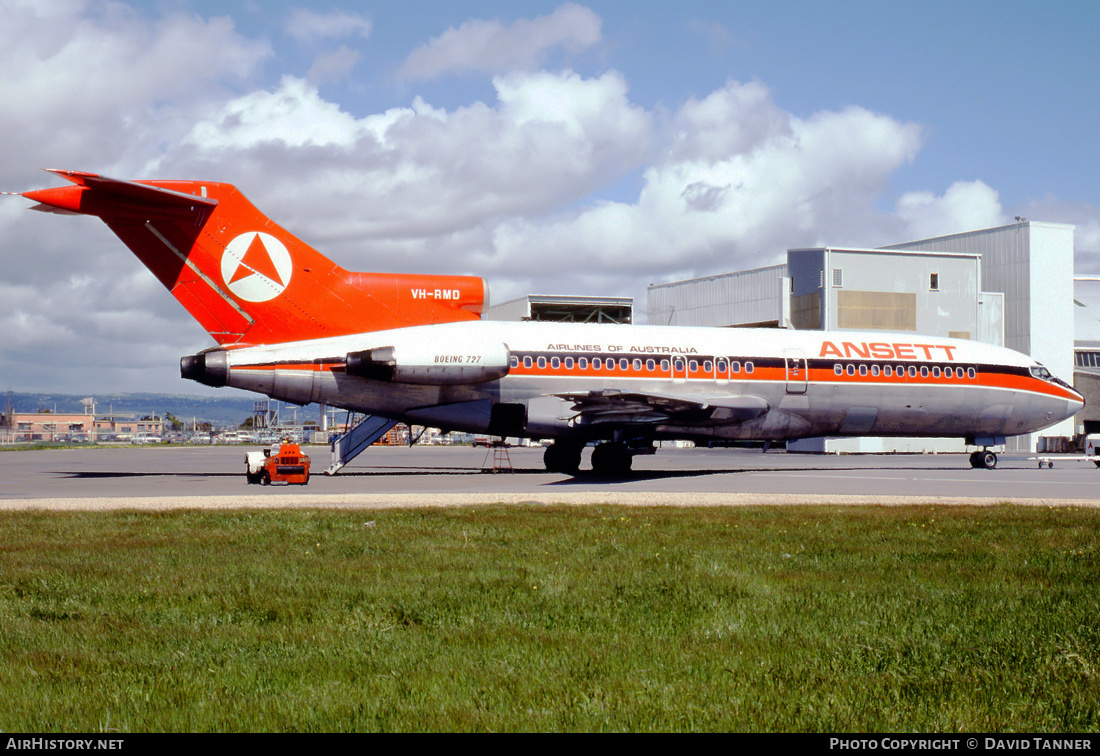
pixel 1012 286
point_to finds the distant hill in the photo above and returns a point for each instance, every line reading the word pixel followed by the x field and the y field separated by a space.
pixel 232 409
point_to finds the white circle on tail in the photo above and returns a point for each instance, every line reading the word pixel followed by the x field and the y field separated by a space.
pixel 256 266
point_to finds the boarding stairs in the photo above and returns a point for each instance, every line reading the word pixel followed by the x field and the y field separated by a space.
pixel 355 441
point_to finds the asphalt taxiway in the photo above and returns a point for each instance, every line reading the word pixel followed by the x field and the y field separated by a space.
pixel 213 476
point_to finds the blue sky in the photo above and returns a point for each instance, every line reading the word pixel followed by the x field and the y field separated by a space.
pixel 581 148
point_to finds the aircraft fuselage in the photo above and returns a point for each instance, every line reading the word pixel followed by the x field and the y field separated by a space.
pixel 801 383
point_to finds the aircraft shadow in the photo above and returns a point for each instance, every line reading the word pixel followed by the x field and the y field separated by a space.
pixel 588 476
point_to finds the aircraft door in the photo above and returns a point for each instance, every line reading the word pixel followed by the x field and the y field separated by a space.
pixel 797 370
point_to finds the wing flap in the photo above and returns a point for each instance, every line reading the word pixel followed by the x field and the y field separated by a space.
pixel 611 406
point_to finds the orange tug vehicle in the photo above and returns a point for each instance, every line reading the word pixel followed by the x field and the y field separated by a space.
pixel 288 465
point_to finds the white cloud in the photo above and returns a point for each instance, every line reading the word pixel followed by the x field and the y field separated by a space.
pixel 420 171
pixel 965 206
pixel 94 77
pixel 491 47
pixel 310 26
pixel 741 182
pixel 294 115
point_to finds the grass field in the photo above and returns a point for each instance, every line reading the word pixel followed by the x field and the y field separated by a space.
pixel 518 618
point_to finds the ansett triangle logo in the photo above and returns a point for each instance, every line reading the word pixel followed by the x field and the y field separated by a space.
pixel 256 266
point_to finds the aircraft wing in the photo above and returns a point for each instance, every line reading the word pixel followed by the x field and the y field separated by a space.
pixel 612 406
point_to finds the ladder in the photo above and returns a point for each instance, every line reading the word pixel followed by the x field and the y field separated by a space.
pixel 350 445
pixel 502 461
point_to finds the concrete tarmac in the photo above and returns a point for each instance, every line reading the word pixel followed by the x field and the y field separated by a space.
pixel 213 477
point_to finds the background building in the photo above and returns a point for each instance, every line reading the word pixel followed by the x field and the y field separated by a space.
pixel 1086 337
pixel 564 309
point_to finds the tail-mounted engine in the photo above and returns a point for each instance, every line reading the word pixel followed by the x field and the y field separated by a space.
pixel 210 368
pixel 431 364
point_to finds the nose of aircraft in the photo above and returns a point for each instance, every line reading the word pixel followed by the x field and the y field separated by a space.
pixel 1073 403
pixel 1077 403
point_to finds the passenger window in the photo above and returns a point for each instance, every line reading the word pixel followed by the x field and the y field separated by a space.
pixel 624 363
pixel 527 362
pixel 650 365
pixel 555 362
pixel 749 367
pixel 838 369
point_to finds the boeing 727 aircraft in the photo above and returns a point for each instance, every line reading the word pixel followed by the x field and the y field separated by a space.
pixel 293 325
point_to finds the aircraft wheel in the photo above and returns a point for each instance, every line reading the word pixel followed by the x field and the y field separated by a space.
pixel 562 458
pixel 987 459
pixel 611 459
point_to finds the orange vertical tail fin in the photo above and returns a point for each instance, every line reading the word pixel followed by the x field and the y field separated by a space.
pixel 246 279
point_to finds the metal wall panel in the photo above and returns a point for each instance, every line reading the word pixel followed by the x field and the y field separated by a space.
pixel 751 296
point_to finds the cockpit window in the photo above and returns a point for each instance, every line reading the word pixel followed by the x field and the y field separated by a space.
pixel 1040 372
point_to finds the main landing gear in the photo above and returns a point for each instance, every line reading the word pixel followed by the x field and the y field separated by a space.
pixel 612 458
pixel 983 460
pixel 609 458
pixel 563 457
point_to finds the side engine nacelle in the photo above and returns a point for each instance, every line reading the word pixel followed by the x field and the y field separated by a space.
pixel 433 364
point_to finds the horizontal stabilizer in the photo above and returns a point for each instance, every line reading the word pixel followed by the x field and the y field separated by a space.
pixel 133 191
